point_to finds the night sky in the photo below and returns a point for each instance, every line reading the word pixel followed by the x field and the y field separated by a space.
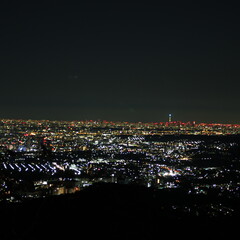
pixel 120 61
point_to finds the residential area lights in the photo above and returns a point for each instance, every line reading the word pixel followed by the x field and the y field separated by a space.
pixel 40 158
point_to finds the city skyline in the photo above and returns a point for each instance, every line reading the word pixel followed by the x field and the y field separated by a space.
pixel 169 119
pixel 65 157
pixel 120 62
pixel 158 175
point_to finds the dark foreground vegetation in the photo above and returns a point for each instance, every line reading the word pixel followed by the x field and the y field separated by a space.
pixel 119 211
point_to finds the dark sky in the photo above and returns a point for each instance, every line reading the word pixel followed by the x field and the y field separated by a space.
pixel 120 61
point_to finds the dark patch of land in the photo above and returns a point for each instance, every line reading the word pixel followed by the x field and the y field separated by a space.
pixel 119 211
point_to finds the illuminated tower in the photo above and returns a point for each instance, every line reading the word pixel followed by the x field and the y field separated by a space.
pixel 169 117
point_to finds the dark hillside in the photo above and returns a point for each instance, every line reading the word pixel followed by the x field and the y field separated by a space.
pixel 111 210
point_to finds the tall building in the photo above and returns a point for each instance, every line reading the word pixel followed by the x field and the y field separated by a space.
pixel 169 117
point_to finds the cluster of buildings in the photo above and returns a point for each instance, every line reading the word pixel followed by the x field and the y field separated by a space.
pixel 40 158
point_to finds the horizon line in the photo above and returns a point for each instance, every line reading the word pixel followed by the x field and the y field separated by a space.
pixel 121 121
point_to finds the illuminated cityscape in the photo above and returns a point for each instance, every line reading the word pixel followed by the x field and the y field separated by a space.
pixel 55 157
pixel 41 159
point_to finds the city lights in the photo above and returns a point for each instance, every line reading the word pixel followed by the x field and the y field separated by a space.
pixel 45 159
pixel 159 155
